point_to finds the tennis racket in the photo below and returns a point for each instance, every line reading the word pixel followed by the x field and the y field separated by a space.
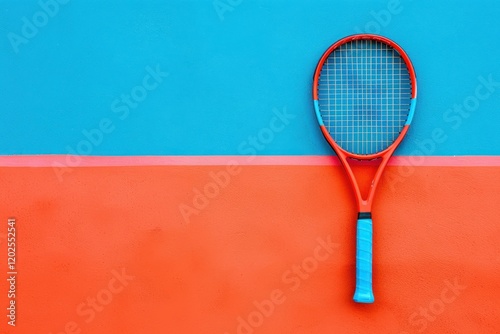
pixel 364 93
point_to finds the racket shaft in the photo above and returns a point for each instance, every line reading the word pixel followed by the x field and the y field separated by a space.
pixel 364 292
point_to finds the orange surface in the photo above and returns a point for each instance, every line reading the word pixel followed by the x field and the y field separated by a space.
pixel 251 260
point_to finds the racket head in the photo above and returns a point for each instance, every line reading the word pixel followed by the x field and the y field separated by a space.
pixel 364 92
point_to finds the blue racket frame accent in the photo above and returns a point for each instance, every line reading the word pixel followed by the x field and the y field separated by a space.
pixel 412 111
pixel 318 114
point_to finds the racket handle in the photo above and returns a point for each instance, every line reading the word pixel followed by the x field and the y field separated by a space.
pixel 364 292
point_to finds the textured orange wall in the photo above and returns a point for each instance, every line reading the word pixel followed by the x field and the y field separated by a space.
pixel 108 251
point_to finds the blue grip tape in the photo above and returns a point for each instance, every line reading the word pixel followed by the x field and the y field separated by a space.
pixel 364 292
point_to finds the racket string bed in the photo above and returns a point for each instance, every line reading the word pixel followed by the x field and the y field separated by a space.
pixel 364 96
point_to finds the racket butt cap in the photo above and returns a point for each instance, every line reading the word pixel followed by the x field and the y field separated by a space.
pixel 363 297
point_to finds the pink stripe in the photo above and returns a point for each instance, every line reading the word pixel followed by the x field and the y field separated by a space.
pixel 103 161
pixel 96 161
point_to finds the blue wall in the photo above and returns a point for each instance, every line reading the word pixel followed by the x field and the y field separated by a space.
pixel 228 71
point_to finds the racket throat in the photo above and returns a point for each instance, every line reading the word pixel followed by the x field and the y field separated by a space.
pixel 363 176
